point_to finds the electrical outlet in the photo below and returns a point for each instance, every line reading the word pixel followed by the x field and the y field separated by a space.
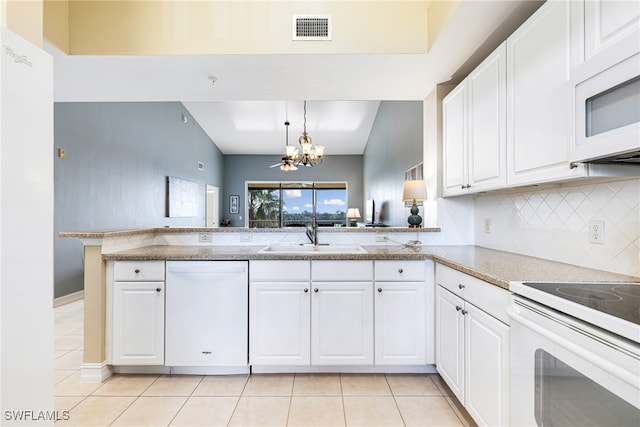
pixel 487 225
pixel 596 232
pixel 382 237
pixel 204 237
pixel 246 237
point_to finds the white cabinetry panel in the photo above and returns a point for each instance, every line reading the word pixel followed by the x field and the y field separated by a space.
pixel 280 324
pixel 138 323
pixel 342 323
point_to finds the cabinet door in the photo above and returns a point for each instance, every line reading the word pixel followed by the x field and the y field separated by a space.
pixel 487 115
pixel 138 323
pixel 450 340
pixel 454 137
pixel 610 23
pixel 400 320
pixel 279 323
pixel 206 313
pixel 538 122
pixel 342 323
pixel 486 366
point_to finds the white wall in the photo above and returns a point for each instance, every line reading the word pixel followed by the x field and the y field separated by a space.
pixel 552 223
pixel 26 231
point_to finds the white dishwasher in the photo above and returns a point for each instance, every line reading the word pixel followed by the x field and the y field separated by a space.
pixel 207 305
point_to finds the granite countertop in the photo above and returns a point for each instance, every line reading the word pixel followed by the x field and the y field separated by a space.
pixel 97 234
pixel 496 267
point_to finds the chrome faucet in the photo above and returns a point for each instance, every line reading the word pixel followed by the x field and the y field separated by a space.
pixel 312 233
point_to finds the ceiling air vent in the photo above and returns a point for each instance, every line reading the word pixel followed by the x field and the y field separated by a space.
pixel 311 27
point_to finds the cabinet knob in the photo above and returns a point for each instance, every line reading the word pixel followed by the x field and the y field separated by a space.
pixel 306 290
pixel 315 290
pixel 461 286
pixel 158 289
pixel 400 271
pixel 379 289
pixel 458 308
pixel 137 270
pixel 464 312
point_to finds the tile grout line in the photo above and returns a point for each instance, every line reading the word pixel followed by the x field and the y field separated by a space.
pixel 344 407
pixel 393 395
pixel 235 408
pixel 185 401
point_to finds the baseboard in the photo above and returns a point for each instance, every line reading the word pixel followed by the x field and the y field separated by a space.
pixel 67 299
pixel 95 372
pixel 369 369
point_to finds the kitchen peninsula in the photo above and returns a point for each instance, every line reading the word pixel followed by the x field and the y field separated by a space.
pixel 103 248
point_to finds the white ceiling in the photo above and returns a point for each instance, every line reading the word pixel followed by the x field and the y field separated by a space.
pixel 244 111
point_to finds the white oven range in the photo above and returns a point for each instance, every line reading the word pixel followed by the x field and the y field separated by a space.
pixel 575 354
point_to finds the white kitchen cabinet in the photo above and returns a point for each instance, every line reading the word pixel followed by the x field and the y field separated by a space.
pixel 400 308
pixel 472 345
pixel 280 313
pixel 137 314
pixel 454 137
pixel 279 323
pixel 609 23
pixel 538 105
pixel 311 313
pixel 474 129
pixel 206 313
pixel 342 323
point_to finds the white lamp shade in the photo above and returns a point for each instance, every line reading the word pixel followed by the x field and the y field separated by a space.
pixel 353 213
pixel 414 190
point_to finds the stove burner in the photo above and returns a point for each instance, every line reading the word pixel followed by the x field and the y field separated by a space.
pixel 588 294
pixel 630 290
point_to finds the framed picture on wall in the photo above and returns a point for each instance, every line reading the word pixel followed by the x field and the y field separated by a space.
pixel 234 202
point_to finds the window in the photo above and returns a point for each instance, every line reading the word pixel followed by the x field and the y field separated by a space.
pixel 289 204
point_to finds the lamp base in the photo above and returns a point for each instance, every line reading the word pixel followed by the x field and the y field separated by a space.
pixel 414 219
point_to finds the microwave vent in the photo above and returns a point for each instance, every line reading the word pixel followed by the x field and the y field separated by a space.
pixel 311 27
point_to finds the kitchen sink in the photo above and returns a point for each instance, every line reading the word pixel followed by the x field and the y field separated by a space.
pixel 320 249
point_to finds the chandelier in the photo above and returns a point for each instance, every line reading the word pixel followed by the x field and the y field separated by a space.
pixel 310 155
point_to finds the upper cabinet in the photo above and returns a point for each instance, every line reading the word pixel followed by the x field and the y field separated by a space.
pixel 526 113
pixel 474 129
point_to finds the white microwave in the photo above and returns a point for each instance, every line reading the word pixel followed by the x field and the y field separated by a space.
pixel 606 103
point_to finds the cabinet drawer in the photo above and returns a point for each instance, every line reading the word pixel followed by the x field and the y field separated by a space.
pixel 279 271
pixel 138 270
pixel 490 298
pixel 341 270
pixel 400 270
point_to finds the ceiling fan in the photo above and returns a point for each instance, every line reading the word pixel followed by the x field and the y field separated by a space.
pixel 287 164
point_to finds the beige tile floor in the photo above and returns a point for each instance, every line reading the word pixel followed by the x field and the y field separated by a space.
pixel 241 400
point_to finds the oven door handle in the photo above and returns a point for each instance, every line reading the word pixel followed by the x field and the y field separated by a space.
pixel 604 364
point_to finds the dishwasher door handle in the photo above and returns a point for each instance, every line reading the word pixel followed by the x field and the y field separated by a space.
pixel 206 269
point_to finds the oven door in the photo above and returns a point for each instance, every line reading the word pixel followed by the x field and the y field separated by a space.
pixel 567 373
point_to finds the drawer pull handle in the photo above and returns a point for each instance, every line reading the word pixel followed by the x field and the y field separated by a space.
pixel 315 290
pixel 458 308
pixel 306 290
pixel 137 270
pixel 400 271
pixel 461 286
pixel 379 289
pixel 158 289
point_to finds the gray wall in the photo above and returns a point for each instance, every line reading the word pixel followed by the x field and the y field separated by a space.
pixel 394 145
pixel 118 156
pixel 239 169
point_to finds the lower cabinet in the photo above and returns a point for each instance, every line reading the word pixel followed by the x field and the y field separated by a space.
pixel 297 320
pixel 138 314
pixel 342 323
pixel 279 323
pixel 472 346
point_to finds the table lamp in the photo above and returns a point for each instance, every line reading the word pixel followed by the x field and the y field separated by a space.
pixel 352 215
pixel 412 191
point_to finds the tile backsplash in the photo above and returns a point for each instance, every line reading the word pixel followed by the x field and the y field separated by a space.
pixel 552 223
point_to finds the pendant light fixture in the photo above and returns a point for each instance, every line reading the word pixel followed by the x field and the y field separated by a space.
pixel 310 155
pixel 287 163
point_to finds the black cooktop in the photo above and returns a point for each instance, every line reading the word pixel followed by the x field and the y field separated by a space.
pixel 621 300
